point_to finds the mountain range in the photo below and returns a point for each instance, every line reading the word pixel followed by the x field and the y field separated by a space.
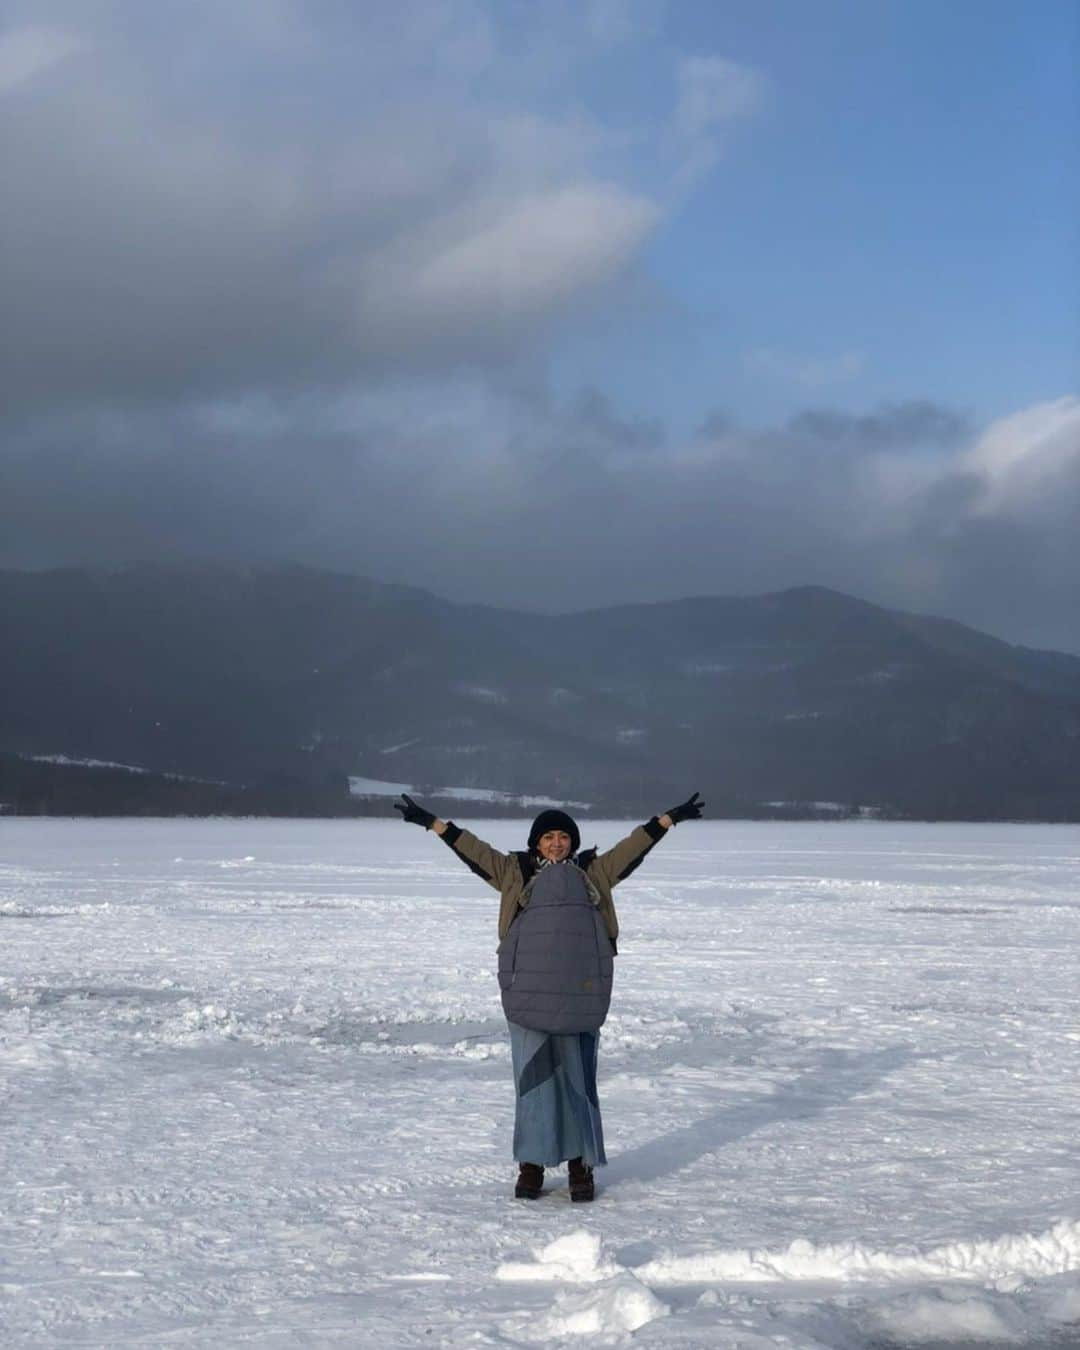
pixel 283 683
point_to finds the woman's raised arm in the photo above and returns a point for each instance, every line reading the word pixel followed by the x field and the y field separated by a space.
pixel 478 856
pixel 628 854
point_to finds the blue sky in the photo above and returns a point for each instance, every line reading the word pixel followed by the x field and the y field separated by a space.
pixel 897 219
pixel 551 305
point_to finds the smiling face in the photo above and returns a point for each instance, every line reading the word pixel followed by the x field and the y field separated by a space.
pixel 555 845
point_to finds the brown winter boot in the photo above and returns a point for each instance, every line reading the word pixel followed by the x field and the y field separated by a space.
pixel 581 1180
pixel 530 1182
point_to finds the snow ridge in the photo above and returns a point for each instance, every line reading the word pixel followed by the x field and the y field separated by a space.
pixel 606 1298
pixel 1019 1256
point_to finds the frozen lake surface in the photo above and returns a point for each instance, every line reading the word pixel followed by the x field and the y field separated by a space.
pixel 256 1091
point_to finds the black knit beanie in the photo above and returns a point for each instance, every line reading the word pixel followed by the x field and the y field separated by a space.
pixel 554 820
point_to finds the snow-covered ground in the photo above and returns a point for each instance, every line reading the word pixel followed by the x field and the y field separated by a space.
pixel 255 1090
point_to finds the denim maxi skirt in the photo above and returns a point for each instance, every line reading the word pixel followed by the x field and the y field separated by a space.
pixel 557 1114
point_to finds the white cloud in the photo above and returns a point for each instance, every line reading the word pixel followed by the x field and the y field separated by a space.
pixel 714 92
pixel 1022 460
pixel 612 21
pixel 805 372
pixel 533 253
pixel 26 53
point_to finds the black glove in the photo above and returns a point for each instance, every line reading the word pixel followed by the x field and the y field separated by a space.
pixel 414 814
pixel 687 810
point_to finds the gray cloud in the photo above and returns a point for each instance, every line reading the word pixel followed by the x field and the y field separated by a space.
pixel 917 424
pixel 272 293
pixel 155 245
pixel 507 496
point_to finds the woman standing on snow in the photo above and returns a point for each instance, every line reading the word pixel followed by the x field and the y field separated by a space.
pixel 553 1003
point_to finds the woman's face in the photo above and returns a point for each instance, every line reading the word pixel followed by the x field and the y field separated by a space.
pixel 554 846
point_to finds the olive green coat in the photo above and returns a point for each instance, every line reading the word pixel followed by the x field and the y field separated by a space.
pixel 509 873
